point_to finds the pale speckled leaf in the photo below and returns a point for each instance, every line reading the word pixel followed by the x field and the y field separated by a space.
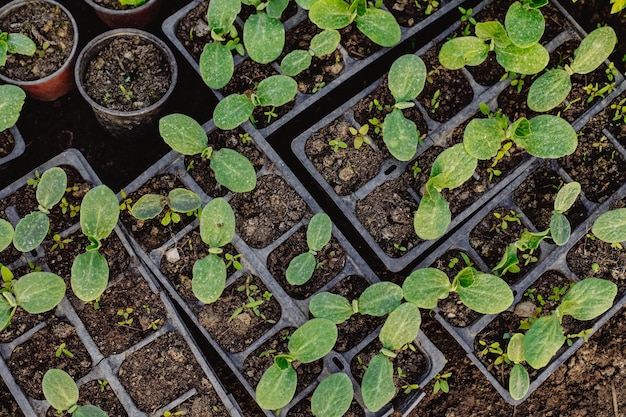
pixel 549 90
pixel 6 234
pixel 482 138
pixel 401 326
pixel 528 61
pixel 330 14
pixel 380 27
pixel 611 226
pixel 543 340
pixel 549 137
pixel 566 197
pixel 276 387
pixel 524 26
pixel 593 50
pixel 31 231
pixel 209 278
pixel 59 389
pixel 233 170
pixel 232 111
pixel 461 51
pixel 217 223
pixel 325 42
pixel 300 269
pixel 400 135
pixel 589 298
pixel 264 37
pixel 99 212
pixel 330 306
pixel 377 387
pixel 333 396
pixel 380 299
pixel 90 275
pixel 11 102
pixel 484 293
pixel 295 62
pixel 183 200
pixel 51 187
pixel 183 134
pixel 433 216
pixel 313 340
pixel 425 286
pixel 407 77
pixel 216 65
pixel 519 382
pixel 38 292
pixel 276 90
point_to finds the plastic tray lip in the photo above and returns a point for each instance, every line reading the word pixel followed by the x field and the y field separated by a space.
pixel 18 148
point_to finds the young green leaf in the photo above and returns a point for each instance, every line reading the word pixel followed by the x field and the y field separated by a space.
pixel 330 14
pixel 594 50
pixel 550 137
pixel 276 387
pixel 6 313
pixel 407 77
pixel 217 223
pixel 221 15
pixel 465 50
pixel 209 278
pixel 401 327
pixel 295 62
pixel 528 61
pixel 508 262
pixel 325 42
pixel 379 26
pixel 31 231
pixel 519 382
pixel 148 206
pixel 20 44
pixel 333 396
pixel 276 90
pixel 330 306
pixel 183 134
pixel 51 187
pixel 300 269
pixel 543 340
pixel 232 111
pixel 264 37
pixel 89 411
pixel 482 138
pixel 549 90
pixel 493 30
pixel 313 340
pixel 515 349
pixel 275 8
pixel 319 232
pixel 89 276
pixel 38 292
pixel 611 226
pixel 99 212
pixel 233 170
pixel 588 299
pixel 400 135
pixel 380 299
pixel 216 65
pixel 566 197
pixel 305 4
pixel 11 102
pixel 452 168
pixel 560 229
pixel 182 200
pixel 59 389
pixel 6 234
pixel 524 25
pixel 483 293
pixel 425 286
pixel 377 387
pixel 433 216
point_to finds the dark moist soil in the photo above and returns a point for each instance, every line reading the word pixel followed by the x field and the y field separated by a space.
pixel 115 4
pixel 452 308
pixel 100 394
pixel 490 238
pixel 303 408
pixel 408 13
pixel 330 261
pixel 165 366
pixel 7 143
pixel 128 74
pixel 267 212
pixel 246 327
pixel 536 195
pixel 8 405
pixel 205 403
pixel 30 360
pixel 238 140
pixel 357 45
pixel 595 164
pixel 51 30
pixel 262 358
pixel 151 233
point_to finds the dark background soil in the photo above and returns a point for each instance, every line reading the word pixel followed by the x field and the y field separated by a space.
pixel 589 384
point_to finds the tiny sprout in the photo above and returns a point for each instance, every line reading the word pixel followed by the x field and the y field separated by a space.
pixel 434 102
pixel 59 242
pixel 102 383
pixel 399 247
pixel 595 268
pixel 337 144
pixel 441 383
pixel 175 413
pixel 126 203
pixel 125 315
pixel 67 207
pixel 360 136
pixel 62 350
pixel 270 114
pixel 267 353
pixel 234 260
pixel 128 94
pixel 34 182
pixel 318 87
pixel 245 138
pixel 416 169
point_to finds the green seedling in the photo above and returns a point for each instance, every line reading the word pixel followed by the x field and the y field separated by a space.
pixel 234 260
pixel 62 393
pixel 59 242
pixel 102 383
pixel 360 136
pixel 617 5
pixel 178 200
pixel 322 44
pixel 466 17
pixel 310 342
pixel 254 300
pixel 553 87
pixel 333 396
pixel 441 383
pixel 235 109
pixel 62 350
pixel 504 220
pixel 69 208
pixel 337 144
pixel 125 318
pixel 15 43
pixel 318 235
pixel 11 101
pixel 133 3
pixel 186 136
pixel 610 227
pixel 377 24
pixel 431 6
pixel 516 44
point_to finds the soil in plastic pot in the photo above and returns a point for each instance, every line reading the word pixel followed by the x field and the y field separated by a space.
pixel 7 143
pixel 98 393
pixel 8 405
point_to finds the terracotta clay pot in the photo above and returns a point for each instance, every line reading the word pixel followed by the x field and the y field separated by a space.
pixel 136 17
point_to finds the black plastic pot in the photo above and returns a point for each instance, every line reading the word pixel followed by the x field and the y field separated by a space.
pixel 135 17
pixel 120 123
pixel 18 148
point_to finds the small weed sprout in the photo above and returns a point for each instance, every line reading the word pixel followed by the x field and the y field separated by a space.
pixel 59 242
pixel 318 235
pixel 337 144
pixel 62 350
pixel 360 136
pixel 441 383
pixel 124 315
pixel 102 383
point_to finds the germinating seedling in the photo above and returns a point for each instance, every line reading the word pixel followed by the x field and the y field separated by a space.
pixel 610 227
pixel 178 200
pixel 62 393
pixel 318 234
pixel 322 44
pixel 516 43
pixel 15 43
pixel 552 87
pixel 186 136
pixel 11 102
pixel 333 396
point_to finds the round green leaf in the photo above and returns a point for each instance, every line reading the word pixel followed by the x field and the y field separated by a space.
pixel 90 275
pixel 99 212
pixel 20 44
pixel 549 90
pixel 433 216
pixel 276 387
pixel 51 187
pixel 611 226
pixel 407 77
pixel 300 269
pixel 305 4
pixel 313 340
pixel 232 111
pixel 233 170
pixel 148 206
pixel 566 197
pixel 380 299
pixel 330 306
pixel 482 138
pixel 89 411
pixel 465 50
pixel 209 278
pixel 59 389
pixel 515 349
pixel 400 135
pixel 519 382
pixel 588 299
pixel 379 26
pixel 333 396
pixel 217 223
pixel 560 229
pixel 549 137
pixel 31 231
pixel 594 50
pixel 216 65
pixel 492 30
pixel 319 231
pixel 523 60
pixel 425 286
pixel 11 102
pixel 325 42
pixel 38 292
pixel 183 134
pixel 264 37
pixel 485 294
pixel 377 387
pixel 295 62
pixel 6 234
pixel 524 25
pixel 330 14
pixel 221 15
pixel 276 90
pixel 452 168
pixel 183 200
pixel 543 340
pixel 275 8
pixel 401 327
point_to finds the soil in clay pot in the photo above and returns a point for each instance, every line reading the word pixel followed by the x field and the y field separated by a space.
pixel 100 394
pixel 167 366
pixel 51 30
pixel 7 143
pixel 114 4
pixel 330 261
pixel 128 74
pixel 8 405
